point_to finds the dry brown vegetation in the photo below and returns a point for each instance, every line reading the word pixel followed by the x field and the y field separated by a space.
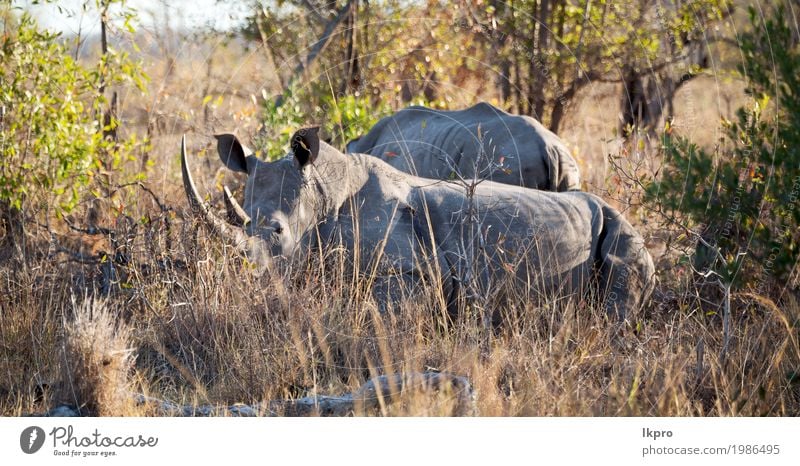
pixel 185 319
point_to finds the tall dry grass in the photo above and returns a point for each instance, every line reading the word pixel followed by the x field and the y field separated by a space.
pixel 204 326
pixel 97 361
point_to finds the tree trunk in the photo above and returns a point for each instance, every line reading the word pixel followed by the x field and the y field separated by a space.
pixel 501 54
pixel 13 226
pixel 559 105
pixel 646 96
pixel 538 74
pixel 559 100
pixel 352 79
pixel 563 100
pixel 632 106
pixel 504 80
pixel 645 99
pixel 517 85
pixel 110 114
pixel 560 10
pixel 429 88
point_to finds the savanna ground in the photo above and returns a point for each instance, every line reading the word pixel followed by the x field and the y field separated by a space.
pixel 129 294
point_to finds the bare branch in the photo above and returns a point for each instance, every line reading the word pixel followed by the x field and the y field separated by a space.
pixel 314 12
pixel 327 35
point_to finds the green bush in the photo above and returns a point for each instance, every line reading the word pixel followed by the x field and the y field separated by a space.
pixel 744 198
pixel 52 130
pixel 342 118
pixel 350 116
pixel 281 119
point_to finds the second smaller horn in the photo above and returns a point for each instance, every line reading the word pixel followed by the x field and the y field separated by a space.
pixel 236 214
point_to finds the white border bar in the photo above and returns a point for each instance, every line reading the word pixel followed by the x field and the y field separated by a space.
pixel 407 441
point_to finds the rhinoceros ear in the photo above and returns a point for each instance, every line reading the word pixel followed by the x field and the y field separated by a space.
pixel 232 153
pixel 305 145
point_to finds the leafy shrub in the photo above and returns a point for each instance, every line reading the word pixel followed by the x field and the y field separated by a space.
pixel 350 116
pixel 342 118
pixel 51 132
pixel 282 117
pixel 745 197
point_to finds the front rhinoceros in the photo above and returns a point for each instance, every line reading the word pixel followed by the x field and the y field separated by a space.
pixel 401 226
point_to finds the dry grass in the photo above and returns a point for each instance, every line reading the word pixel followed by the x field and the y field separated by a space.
pixel 216 331
pixel 205 326
pixel 97 361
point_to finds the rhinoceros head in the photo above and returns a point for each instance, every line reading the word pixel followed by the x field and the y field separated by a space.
pixel 281 203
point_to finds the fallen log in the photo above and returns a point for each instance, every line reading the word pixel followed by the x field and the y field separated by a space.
pixel 371 398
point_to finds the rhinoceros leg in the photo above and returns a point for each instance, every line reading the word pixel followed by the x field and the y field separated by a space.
pixel 626 270
pixel 390 290
pixel 426 265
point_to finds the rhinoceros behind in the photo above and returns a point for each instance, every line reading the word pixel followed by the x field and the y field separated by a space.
pixel 481 141
pixel 563 244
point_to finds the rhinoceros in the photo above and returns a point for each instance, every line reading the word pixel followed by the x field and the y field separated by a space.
pixel 403 226
pixel 482 141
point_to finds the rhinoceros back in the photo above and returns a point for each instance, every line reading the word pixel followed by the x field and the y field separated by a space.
pixel 481 141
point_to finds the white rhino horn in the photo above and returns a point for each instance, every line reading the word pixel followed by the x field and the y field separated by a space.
pixel 235 235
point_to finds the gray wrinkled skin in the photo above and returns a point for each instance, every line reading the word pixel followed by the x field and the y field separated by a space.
pixel 560 244
pixel 478 142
